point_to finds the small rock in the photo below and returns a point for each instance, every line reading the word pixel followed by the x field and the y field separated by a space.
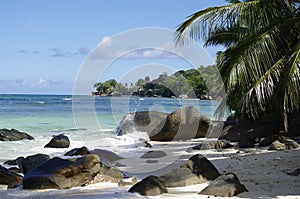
pixel 78 151
pixel 59 141
pixel 150 186
pixel 296 172
pixel 268 140
pixel 108 155
pixel 213 145
pixel 153 154
pixel 226 185
pixel 13 135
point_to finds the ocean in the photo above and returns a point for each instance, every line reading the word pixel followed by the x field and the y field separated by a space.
pixel 87 120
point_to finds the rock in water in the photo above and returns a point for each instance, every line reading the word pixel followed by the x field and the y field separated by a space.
pixel 198 169
pixel 226 185
pixel 13 135
pixel 78 151
pixel 144 121
pixel 182 124
pixel 59 141
pixel 60 173
pixel 9 178
pixel 149 186
pixel 32 161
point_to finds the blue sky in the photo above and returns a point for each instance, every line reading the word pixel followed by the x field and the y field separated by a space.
pixel 44 43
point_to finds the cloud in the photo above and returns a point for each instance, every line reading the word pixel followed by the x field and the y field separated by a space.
pixel 56 52
pixel 109 49
pixel 61 53
pixel 84 51
pixel 39 83
pixel 22 51
pixel 36 86
pixel 106 41
pixel 35 52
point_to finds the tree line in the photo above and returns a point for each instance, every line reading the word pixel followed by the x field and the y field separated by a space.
pixel 183 83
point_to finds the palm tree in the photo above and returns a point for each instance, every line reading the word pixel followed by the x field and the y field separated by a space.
pixel 261 64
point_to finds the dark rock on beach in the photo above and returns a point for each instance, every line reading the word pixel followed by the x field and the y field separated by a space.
pixel 198 169
pixel 78 151
pixel 283 143
pixel 268 140
pixel 60 173
pixel 106 156
pixel 153 154
pixel 182 124
pixel 213 145
pixel 13 135
pixel 144 121
pixel 226 185
pixel 246 132
pixel 296 172
pixel 59 141
pixel 9 178
pixel 149 186
pixel 32 161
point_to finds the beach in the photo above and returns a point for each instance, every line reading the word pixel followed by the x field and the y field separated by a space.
pixel 263 172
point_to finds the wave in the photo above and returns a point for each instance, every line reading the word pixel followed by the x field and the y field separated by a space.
pixel 40 102
pixel 68 99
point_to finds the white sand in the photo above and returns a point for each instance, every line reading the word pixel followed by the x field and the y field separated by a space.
pixel 264 174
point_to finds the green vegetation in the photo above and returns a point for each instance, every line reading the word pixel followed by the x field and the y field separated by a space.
pixel 183 83
pixel 261 64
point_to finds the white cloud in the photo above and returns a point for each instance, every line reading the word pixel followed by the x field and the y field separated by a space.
pixel 39 83
pixel 106 41
pixel 107 49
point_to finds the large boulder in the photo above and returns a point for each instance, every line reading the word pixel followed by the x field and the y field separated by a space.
pixel 13 135
pixel 144 121
pixel 226 185
pixel 247 132
pixel 198 169
pixel 61 173
pixel 182 124
pixel 149 186
pixel 59 141
pixel 32 161
pixel 9 178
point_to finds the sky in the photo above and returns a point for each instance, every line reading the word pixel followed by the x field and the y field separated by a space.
pixel 44 44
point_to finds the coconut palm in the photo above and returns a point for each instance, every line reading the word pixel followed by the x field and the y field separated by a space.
pixel 261 64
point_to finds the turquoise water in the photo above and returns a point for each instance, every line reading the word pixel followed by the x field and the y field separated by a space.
pixel 45 114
